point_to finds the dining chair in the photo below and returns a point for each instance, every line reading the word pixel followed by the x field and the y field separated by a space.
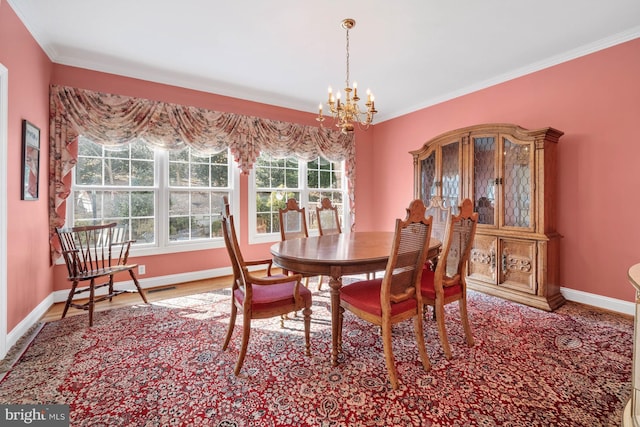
pixel 95 254
pixel 328 218
pixel 395 297
pixel 260 297
pixel 293 224
pixel 328 222
pixel 293 221
pixel 447 283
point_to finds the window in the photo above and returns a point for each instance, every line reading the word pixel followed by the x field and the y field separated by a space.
pixel 170 201
pixel 276 180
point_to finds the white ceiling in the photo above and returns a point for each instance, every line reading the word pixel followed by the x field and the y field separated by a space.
pixel 411 53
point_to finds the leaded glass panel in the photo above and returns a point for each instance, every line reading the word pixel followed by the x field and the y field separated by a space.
pixel 428 186
pixel 451 176
pixel 517 185
pixel 484 166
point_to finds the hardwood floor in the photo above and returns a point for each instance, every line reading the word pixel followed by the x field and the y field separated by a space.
pixel 152 294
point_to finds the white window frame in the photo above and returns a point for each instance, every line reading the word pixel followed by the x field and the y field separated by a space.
pixel 161 189
pixel 255 238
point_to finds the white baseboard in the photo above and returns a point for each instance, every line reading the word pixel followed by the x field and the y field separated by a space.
pixel 612 304
pixel 26 323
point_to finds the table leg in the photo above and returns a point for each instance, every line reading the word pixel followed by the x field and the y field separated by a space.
pixel 336 333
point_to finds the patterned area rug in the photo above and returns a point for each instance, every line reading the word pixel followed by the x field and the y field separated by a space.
pixel 161 364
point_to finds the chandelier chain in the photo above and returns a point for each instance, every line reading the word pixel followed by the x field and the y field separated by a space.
pixel 347 80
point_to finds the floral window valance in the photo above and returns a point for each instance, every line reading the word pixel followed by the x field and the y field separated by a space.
pixel 115 119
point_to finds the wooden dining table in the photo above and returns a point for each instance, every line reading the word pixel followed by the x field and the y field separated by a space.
pixel 335 256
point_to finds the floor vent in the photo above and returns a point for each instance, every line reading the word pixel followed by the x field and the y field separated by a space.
pixel 168 288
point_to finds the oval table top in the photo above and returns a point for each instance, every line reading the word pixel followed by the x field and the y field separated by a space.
pixel 357 251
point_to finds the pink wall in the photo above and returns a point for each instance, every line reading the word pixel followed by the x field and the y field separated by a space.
pixel 595 101
pixel 28 272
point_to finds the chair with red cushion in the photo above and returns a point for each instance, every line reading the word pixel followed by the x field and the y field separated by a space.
pixel 447 283
pixel 396 296
pixel 260 297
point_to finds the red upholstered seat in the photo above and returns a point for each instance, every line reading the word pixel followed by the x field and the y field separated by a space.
pixel 271 296
pixel 365 295
pixel 428 286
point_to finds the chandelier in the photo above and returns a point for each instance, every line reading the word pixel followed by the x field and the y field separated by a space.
pixel 346 113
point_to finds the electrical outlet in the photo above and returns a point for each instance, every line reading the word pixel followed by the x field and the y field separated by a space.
pixel 142 269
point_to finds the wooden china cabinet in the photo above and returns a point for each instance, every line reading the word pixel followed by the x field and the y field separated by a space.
pixel 631 414
pixel 510 175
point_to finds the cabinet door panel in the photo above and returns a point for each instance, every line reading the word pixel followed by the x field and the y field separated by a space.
pixel 517 184
pixel 428 181
pixel 451 182
pixel 518 265
pixel 484 178
pixel 482 260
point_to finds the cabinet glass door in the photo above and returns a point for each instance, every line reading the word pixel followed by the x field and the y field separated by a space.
pixel 451 176
pixel 517 185
pixel 428 184
pixel 440 175
pixel 484 178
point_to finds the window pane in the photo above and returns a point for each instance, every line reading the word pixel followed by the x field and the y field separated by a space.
pixel 88 171
pixel 142 230
pixel 116 172
pixel 141 173
pixel 142 204
pixel 199 175
pixel 220 175
pixel 178 203
pixel 200 202
pixel 179 174
pixel 116 204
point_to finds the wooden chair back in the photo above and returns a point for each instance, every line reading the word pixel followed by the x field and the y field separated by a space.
pixel 441 214
pixel 231 242
pixel 456 247
pixel 402 275
pixel 92 253
pixel 328 218
pixel 91 250
pixel 293 221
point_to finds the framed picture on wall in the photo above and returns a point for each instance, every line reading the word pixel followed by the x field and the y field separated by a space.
pixel 30 161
